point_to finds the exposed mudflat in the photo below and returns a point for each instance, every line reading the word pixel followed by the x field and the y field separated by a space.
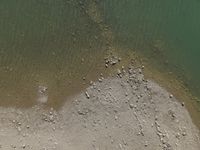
pixel 126 112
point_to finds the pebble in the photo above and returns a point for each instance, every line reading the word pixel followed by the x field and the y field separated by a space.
pixel 113 62
pixel 87 95
pixel 146 144
pixel 91 82
pixel 100 80
pixel 119 71
pixel 184 134
pixel 140 71
pixel 23 146
pixel 112 141
pixel 131 106
pixel 142 67
pixel 170 96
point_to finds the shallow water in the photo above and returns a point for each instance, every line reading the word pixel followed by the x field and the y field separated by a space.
pixel 57 43
pixel 45 43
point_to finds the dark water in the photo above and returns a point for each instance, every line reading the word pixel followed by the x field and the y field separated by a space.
pixel 56 43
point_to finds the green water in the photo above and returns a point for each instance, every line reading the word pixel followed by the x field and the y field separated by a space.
pixel 56 43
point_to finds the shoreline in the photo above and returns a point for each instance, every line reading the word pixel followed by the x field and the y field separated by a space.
pixel 170 82
pixel 122 112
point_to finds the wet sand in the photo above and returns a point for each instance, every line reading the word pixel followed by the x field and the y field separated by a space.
pixel 125 111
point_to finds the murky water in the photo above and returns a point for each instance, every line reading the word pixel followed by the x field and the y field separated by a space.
pixel 55 44
pixel 46 43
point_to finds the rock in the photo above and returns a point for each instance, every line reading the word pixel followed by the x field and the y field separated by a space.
pixel 156 118
pixel 142 67
pixel 146 144
pixel 91 82
pixel 140 71
pixel 131 106
pixel 113 62
pixel 80 112
pixel 100 80
pixel 23 146
pixel 87 95
pixel 170 96
pixel 184 134
pixel 119 72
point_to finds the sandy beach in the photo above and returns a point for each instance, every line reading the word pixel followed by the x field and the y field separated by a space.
pixel 123 112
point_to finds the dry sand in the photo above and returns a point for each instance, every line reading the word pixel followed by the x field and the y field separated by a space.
pixel 126 112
